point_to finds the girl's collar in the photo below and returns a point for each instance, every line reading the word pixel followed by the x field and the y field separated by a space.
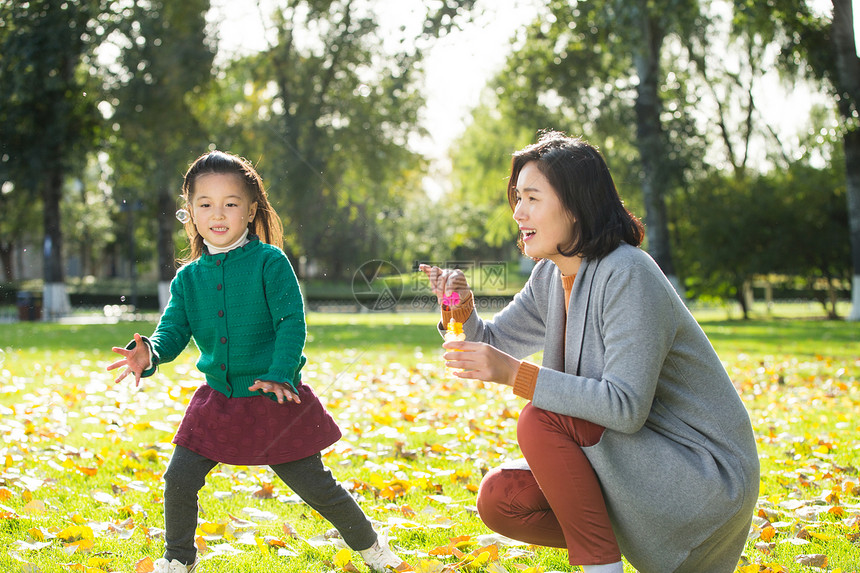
pixel 240 242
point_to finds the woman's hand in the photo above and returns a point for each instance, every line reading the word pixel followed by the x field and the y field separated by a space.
pixel 281 391
pixel 136 360
pixel 443 282
pixel 480 361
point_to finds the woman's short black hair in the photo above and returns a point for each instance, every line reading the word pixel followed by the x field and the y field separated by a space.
pixel 581 178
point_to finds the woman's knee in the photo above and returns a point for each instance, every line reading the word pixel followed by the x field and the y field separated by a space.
pixel 491 501
pixel 497 495
pixel 486 501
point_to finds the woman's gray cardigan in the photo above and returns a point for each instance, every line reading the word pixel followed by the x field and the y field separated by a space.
pixel 677 462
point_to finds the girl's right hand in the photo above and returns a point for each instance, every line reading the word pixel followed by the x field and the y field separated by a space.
pixel 443 282
pixel 283 392
pixel 136 360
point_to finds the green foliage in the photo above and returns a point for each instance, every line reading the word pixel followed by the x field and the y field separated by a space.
pixel 88 227
pixel 164 62
pixel 19 217
pixel 48 116
pixel 594 69
pixel 480 169
pixel 328 108
pixel 822 46
pixel 46 107
pixel 790 223
pixel 801 35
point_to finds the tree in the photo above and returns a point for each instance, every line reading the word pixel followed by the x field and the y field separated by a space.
pixel 47 119
pixel 87 225
pixel 326 111
pixel 730 229
pixel 789 222
pixel 165 62
pixel 847 87
pixel 821 46
pixel 480 161
pixel 601 62
pixel 19 215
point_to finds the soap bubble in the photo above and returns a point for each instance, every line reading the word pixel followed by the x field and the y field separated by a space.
pixel 183 216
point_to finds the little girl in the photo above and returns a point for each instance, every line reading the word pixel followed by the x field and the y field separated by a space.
pixel 239 298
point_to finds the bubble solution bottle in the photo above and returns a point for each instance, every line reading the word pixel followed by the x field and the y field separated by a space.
pixel 453 332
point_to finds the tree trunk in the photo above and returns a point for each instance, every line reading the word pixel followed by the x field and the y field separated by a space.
pixel 55 298
pixel 848 78
pixel 6 250
pixel 742 301
pixel 649 141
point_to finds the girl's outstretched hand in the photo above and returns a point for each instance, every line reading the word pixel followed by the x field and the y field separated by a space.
pixel 281 391
pixel 444 282
pixel 480 361
pixel 136 360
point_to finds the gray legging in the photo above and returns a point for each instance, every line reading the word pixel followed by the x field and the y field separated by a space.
pixel 307 477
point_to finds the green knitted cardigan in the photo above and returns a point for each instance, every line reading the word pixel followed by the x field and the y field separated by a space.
pixel 245 312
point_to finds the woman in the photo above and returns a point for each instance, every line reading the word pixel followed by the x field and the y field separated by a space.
pixel 635 440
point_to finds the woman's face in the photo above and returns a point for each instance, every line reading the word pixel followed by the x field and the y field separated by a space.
pixel 221 208
pixel 543 221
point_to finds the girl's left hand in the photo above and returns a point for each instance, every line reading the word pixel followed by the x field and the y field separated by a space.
pixel 480 361
pixel 282 391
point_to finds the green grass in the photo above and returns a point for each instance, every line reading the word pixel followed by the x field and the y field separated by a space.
pixel 93 452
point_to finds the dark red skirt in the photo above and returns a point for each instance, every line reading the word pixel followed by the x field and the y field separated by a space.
pixel 255 431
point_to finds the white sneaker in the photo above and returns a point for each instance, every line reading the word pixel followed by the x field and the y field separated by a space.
pixel 174 566
pixel 381 559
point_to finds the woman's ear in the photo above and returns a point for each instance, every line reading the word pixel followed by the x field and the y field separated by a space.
pixel 252 212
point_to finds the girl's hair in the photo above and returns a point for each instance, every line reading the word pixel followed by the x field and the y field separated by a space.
pixel 266 224
pixel 581 178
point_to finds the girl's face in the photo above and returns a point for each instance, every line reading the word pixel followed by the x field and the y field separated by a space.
pixel 221 208
pixel 542 219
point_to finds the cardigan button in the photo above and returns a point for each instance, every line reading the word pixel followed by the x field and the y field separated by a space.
pixel 223 340
pixel 223 367
pixel 219 287
pixel 218 263
pixel 220 314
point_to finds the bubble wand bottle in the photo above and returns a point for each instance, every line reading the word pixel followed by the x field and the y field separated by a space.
pixel 454 329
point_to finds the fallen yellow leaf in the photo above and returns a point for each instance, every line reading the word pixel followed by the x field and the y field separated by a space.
pixel 75 533
pixel 209 528
pixel 36 534
pixel 480 561
pixel 34 506
pixel 98 562
pixel 342 557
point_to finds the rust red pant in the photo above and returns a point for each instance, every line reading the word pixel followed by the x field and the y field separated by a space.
pixel 559 502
